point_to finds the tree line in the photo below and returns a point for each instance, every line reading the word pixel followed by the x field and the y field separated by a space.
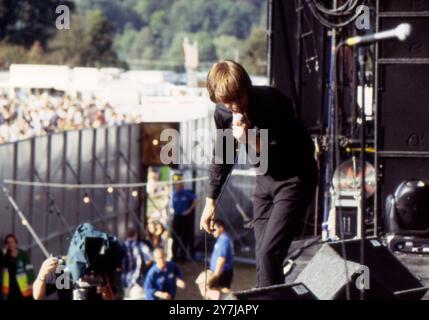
pixel 134 33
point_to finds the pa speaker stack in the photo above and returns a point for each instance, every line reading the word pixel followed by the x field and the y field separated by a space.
pixel 402 98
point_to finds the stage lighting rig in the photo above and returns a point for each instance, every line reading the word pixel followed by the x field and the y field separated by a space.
pixel 407 217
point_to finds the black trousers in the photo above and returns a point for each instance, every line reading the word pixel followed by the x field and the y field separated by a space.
pixel 183 236
pixel 280 208
pixel 224 280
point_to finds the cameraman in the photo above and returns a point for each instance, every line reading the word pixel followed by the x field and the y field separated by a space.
pixel 46 281
pixel 53 278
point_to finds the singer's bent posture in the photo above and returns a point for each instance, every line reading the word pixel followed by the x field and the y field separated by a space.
pixel 284 193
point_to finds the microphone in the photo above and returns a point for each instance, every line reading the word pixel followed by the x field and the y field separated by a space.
pixel 237 117
pixel 401 32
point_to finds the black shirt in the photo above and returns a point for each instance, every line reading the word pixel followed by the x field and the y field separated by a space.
pixel 51 287
pixel 290 148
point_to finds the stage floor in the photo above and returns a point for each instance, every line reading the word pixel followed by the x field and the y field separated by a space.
pixel 419 266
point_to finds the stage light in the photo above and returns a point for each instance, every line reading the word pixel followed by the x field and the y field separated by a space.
pixel 347 177
pixel 406 220
pixel 135 193
pixel 110 189
pixel 412 205
pixel 86 199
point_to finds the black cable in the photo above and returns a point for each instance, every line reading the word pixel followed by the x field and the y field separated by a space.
pixel 332 25
pixel 310 25
pixel 289 61
pixel 337 158
pixel 341 8
pixel 341 11
pixel 343 246
pixel 215 208
pixel 362 61
pixel 326 22
pixel 205 265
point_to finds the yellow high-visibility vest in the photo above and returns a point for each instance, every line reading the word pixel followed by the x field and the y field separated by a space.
pixel 23 284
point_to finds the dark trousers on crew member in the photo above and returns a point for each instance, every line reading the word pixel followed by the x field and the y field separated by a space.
pixel 224 280
pixel 183 237
pixel 280 209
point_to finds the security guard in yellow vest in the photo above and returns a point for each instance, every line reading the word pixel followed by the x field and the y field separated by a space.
pixel 17 272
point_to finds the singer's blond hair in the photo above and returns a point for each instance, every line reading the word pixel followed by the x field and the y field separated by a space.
pixel 227 81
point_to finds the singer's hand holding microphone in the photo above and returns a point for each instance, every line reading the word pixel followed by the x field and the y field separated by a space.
pixel 239 128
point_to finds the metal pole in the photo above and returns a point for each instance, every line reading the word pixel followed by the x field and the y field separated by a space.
pixel 31 193
pixel 25 222
pixel 362 161
pixel 77 174
pixel 128 171
pixel 376 120
pixel 48 178
pixel 270 35
pixel 116 174
pixel 329 163
pixel 93 176
pixel 298 104
pixel 15 176
pixel 333 99
pixel 63 191
pixel 106 166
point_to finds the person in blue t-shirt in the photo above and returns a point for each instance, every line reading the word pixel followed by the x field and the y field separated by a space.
pixel 221 261
pixel 184 203
pixel 162 278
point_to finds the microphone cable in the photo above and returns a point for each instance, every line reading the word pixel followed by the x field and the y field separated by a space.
pixel 205 233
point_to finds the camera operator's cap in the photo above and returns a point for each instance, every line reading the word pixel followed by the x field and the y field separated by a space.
pixel 177 176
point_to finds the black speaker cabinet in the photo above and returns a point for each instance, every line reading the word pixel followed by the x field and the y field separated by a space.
pixel 336 267
pixel 402 98
pixel 403 108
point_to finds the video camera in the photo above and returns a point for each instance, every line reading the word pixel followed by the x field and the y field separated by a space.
pixel 93 258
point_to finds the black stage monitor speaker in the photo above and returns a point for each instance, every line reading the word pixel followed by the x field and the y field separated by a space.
pixel 296 291
pixel 329 274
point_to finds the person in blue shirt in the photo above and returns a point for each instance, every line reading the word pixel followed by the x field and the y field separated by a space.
pixel 163 278
pixel 136 262
pixel 184 203
pixel 221 261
